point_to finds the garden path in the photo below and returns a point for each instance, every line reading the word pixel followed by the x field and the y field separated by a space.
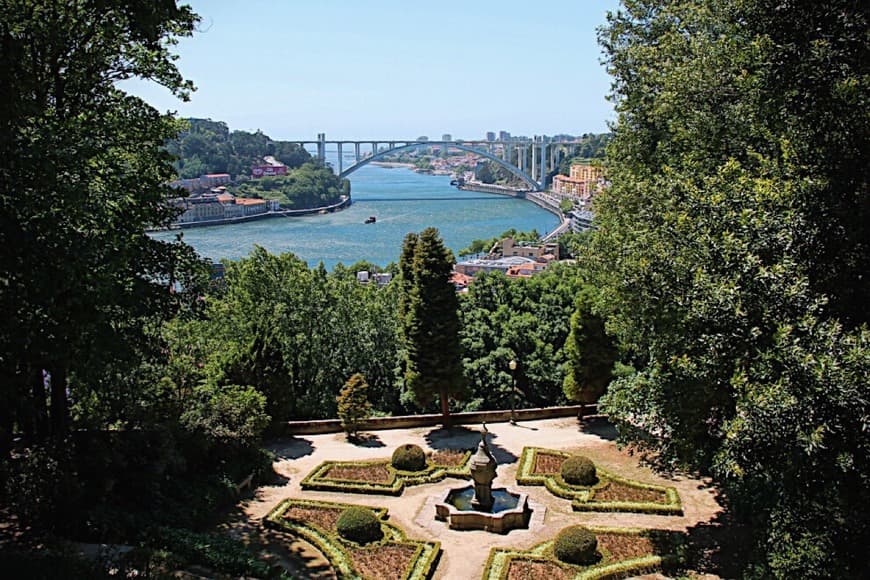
pixel 464 552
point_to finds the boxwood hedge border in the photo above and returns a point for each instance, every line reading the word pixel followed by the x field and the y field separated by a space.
pixel 337 549
pixel 317 479
pixel 583 497
pixel 498 563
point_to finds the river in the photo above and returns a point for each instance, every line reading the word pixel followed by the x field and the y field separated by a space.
pixel 402 201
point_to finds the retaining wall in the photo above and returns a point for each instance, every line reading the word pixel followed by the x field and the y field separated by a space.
pixel 407 421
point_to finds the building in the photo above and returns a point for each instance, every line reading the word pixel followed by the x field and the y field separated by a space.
pixel 537 252
pixel 379 278
pixel 581 220
pixel 490 136
pixel 210 180
pixel 504 136
pixel 474 266
pixel 581 184
pixel 447 137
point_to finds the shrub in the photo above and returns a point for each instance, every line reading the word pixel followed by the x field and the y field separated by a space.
pixel 579 470
pixel 576 545
pixel 353 404
pixel 359 525
pixel 409 457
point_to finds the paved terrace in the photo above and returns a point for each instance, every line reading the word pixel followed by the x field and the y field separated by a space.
pixel 464 552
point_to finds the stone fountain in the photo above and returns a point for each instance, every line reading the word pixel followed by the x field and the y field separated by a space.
pixel 479 506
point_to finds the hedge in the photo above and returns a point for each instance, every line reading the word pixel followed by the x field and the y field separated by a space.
pixel 583 497
pixel 319 481
pixel 339 550
pixel 499 561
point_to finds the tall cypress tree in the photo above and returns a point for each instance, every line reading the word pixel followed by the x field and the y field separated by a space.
pixel 429 313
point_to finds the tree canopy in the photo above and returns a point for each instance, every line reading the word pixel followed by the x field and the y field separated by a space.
pixel 732 256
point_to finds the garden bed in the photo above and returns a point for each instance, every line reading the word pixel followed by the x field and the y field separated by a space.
pixel 382 478
pixel 394 557
pixel 612 493
pixel 622 552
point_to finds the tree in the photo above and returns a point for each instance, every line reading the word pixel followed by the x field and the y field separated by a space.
pixel 732 257
pixel 429 319
pixel 83 176
pixel 590 352
pixel 353 404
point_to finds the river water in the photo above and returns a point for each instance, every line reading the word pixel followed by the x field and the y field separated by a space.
pixel 402 201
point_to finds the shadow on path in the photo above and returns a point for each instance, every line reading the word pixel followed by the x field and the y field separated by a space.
pixel 598 426
pixel 290 448
pixel 465 438
pixel 366 440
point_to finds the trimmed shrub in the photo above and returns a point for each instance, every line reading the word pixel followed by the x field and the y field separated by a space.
pixel 409 457
pixel 576 545
pixel 579 470
pixel 359 525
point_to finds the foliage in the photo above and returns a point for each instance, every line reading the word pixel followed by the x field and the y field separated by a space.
pixel 83 176
pixel 576 545
pixel 359 525
pixel 579 470
pixel 353 404
pixel 409 457
pixel 217 551
pixel 310 185
pixel 429 321
pixel 228 414
pixel 565 206
pixel 526 320
pixel 207 146
pixel 732 253
pixel 590 352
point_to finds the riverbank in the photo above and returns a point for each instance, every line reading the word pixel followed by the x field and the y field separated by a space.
pixel 285 213
pixel 392 164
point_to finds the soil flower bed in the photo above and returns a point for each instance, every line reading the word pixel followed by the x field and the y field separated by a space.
pixel 395 557
pixel 382 478
pixel 621 552
pixel 612 493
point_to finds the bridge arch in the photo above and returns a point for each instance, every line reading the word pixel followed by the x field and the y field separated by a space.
pixel 525 177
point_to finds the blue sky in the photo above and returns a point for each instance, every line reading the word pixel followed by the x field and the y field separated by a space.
pixel 359 69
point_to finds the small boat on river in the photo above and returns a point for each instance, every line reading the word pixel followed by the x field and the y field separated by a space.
pixel 371 219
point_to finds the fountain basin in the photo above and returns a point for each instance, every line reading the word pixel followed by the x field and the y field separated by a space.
pixel 509 510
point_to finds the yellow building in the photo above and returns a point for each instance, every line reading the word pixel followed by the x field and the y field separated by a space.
pixel 581 184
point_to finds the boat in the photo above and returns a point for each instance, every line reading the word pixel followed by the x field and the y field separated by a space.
pixel 371 219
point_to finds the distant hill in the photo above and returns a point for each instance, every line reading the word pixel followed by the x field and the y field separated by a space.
pixel 210 147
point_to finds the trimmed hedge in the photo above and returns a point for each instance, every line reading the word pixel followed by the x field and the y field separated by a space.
pixel 339 551
pixel 576 545
pixel 409 457
pixel 499 562
pixel 579 470
pixel 583 497
pixel 359 525
pixel 318 479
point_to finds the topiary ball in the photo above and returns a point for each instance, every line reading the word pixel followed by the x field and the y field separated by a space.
pixel 359 525
pixel 576 545
pixel 579 470
pixel 409 457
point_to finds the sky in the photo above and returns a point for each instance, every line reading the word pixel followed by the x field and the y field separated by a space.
pixel 385 69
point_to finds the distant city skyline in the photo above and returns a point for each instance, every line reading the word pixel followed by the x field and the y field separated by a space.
pixel 389 69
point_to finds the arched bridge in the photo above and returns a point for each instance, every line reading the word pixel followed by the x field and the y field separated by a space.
pixel 529 160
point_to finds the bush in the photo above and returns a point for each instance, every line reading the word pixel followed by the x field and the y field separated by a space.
pixel 353 404
pixel 359 525
pixel 576 545
pixel 579 470
pixel 409 457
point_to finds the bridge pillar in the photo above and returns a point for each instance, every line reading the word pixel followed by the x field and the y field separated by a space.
pixel 543 165
pixel 534 162
pixel 374 148
pixel 321 147
pixel 340 159
pixel 356 151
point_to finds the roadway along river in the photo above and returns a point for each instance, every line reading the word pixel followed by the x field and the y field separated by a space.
pixel 402 201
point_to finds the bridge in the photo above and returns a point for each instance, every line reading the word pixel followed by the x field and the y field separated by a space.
pixel 530 161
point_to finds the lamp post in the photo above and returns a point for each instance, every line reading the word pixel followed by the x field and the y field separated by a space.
pixel 513 367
